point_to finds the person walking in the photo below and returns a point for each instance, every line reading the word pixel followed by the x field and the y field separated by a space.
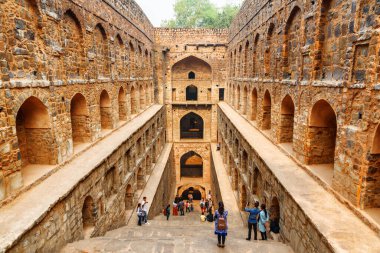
pixel 187 207
pixel 252 221
pixel 221 225
pixel 167 212
pixel 263 219
pixel 140 214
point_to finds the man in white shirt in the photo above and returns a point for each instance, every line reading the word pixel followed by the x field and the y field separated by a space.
pixel 144 205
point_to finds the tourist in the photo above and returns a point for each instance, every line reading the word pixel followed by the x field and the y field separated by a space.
pixel 175 209
pixel 263 219
pixel 177 199
pixel 187 207
pixel 140 214
pixel 167 212
pixel 206 205
pixel 191 207
pixel 210 216
pixel 181 206
pixel 252 222
pixel 221 225
pixel 191 198
pixel 202 205
pixel 144 205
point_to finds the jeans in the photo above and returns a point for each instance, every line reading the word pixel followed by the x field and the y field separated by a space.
pixel 250 225
pixel 263 235
pixel 167 216
pixel 221 239
pixel 140 220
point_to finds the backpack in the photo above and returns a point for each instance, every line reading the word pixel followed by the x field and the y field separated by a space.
pixel 221 223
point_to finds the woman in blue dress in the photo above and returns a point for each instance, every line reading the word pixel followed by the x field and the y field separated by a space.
pixel 263 218
pixel 221 225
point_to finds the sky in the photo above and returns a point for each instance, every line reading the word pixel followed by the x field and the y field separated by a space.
pixel 159 10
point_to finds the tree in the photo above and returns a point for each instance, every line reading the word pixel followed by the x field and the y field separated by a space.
pixel 201 13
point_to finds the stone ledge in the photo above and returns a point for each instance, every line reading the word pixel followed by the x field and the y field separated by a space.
pixel 308 194
pixel 19 217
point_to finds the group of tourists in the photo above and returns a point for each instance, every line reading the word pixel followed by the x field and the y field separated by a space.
pixel 142 212
pixel 260 218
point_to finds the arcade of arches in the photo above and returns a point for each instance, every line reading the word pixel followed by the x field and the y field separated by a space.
pixel 96 103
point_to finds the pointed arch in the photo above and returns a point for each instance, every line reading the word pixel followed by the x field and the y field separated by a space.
pixel 34 133
pixel 292 44
pixel 105 110
pixel 191 126
pixel 73 45
pixel 287 119
pixel 122 99
pixel 191 165
pixel 254 104
pixel 80 119
pixel 267 111
pixel 322 133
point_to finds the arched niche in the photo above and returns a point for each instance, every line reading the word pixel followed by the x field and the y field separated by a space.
pixel 287 119
pixel 191 165
pixel 80 119
pixel 105 110
pixel 267 111
pixel 34 133
pixel 322 133
pixel 191 126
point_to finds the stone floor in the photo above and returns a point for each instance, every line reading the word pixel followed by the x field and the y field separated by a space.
pixel 179 234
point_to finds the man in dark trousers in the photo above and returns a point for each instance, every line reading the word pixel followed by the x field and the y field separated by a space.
pixel 252 221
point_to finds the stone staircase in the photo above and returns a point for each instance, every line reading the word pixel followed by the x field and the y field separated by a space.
pixel 179 234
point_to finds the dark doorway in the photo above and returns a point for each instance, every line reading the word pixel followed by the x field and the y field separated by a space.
pixel 221 94
pixel 197 195
pixel 191 93
pixel 191 126
pixel 191 165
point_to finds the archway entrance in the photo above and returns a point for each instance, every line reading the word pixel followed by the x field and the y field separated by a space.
pixel 80 119
pixel 129 197
pixel 34 135
pixel 254 104
pixel 267 108
pixel 322 133
pixel 243 197
pixel 287 120
pixel 88 217
pixel 197 195
pixel 140 179
pixel 105 110
pixel 191 126
pixel 122 105
pixel 274 212
pixel 197 191
pixel 191 165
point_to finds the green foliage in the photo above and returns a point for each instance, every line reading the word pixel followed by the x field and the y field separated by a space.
pixel 201 13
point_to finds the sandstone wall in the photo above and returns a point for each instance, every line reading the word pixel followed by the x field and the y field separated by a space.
pixel 112 187
pixel 51 51
pixel 257 182
pixel 313 51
